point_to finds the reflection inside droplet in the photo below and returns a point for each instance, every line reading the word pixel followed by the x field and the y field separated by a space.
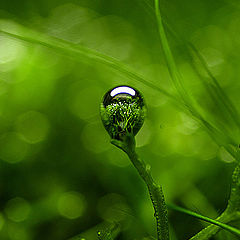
pixel 122 111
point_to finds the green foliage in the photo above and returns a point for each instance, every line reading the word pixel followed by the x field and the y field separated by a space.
pixel 56 167
pixel 234 202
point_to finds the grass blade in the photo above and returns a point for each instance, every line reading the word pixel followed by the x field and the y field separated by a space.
pixel 78 52
pixel 231 229
pixel 217 135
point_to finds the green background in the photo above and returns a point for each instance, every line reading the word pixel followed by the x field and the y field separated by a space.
pixel 59 174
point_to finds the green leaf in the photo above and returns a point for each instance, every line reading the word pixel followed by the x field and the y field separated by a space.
pixel 221 133
pixel 81 53
pixel 229 228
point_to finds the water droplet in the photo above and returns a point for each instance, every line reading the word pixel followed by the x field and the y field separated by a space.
pixel 122 110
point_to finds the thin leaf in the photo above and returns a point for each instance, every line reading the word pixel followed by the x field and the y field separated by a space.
pixel 229 228
pixel 78 52
pixel 217 132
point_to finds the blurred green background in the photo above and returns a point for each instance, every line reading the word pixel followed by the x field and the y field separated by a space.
pixel 59 175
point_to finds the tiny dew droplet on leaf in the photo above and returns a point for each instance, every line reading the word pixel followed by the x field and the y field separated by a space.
pixel 122 111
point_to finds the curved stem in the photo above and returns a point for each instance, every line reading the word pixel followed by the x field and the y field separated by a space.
pixel 155 191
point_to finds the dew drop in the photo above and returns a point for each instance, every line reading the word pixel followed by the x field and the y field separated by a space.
pixel 122 110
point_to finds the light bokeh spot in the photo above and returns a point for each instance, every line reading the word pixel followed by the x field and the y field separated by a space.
pixel 71 205
pixel 12 148
pixel 84 102
pixel 33 126
pixel 17 209
pixel 95 138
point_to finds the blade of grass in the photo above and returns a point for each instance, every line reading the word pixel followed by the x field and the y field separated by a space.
pixel 231 229
pixel 77 52
pixel 208 232
pixel 192 51
pixel 222 96
pixel 214 89
pixel 214 133
pixel 218 136
pixel 231 213
pixel 173 70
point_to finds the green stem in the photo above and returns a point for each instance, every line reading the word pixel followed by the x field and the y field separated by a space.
pixel 156 195
pixel 155 191
pixel 213 229
pixel 210 230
